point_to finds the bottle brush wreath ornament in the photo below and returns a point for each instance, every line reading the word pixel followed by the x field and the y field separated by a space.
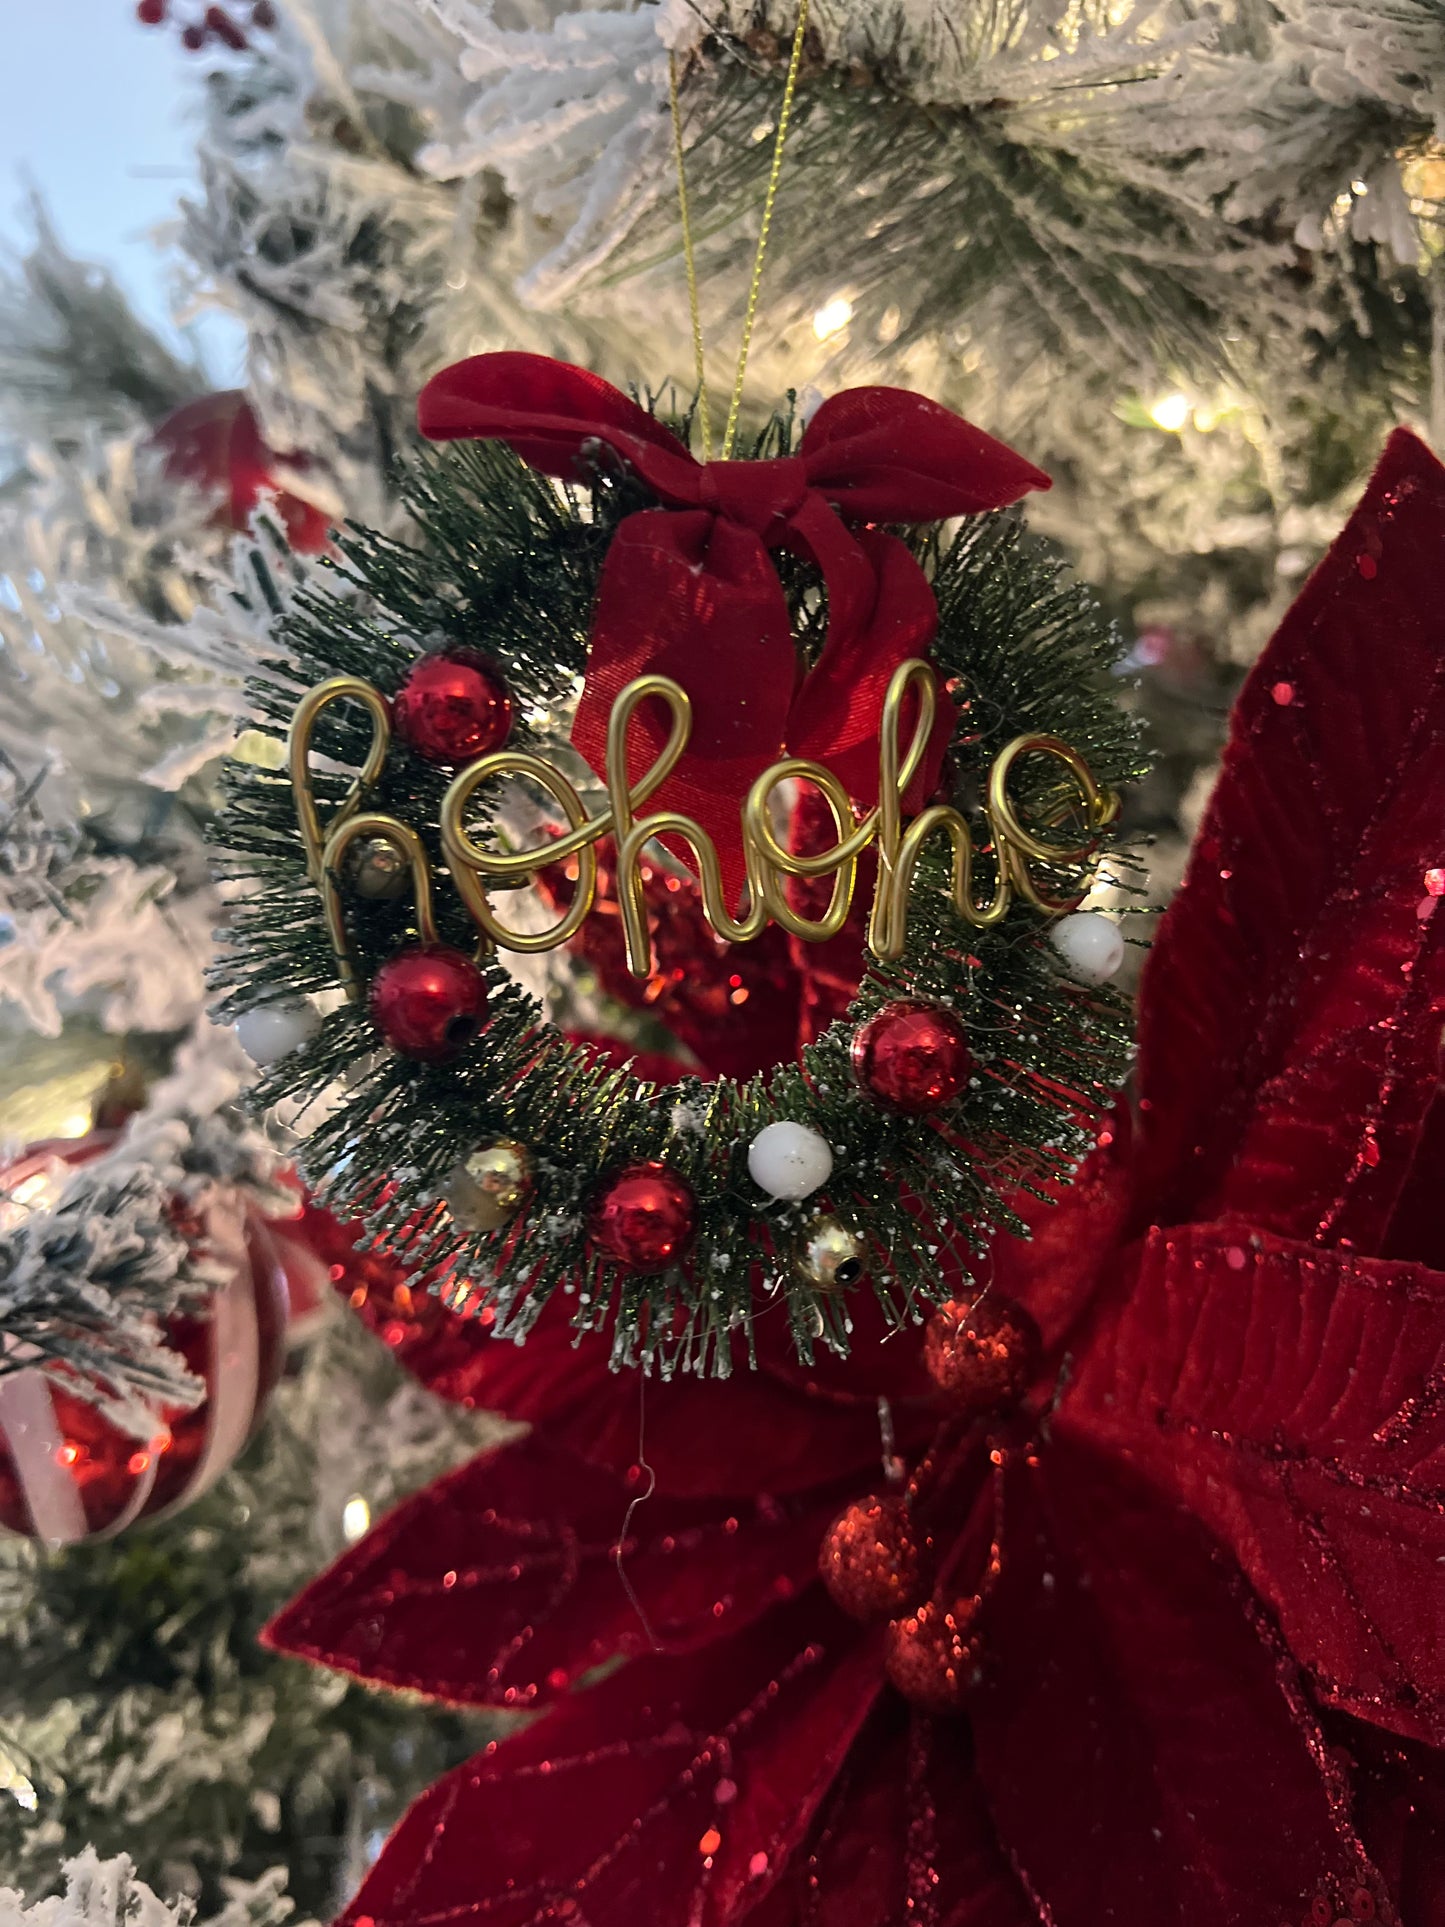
pixel 592 642
pixel 601 656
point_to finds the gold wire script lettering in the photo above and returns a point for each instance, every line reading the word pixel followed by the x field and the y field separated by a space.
pixel 899 845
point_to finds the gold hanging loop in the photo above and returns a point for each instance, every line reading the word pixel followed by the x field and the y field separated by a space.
pixel 298 759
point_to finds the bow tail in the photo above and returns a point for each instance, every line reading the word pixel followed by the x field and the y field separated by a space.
pixel 688 595
pixel 881 612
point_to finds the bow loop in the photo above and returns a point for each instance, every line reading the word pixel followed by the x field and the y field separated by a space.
pixel 701 601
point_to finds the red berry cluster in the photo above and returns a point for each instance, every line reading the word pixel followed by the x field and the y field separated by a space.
pixel 208 26
pixel 877 1558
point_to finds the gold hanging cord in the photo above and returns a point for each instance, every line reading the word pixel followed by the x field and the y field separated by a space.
pixel 785 114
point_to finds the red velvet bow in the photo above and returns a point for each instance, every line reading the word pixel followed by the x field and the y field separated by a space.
pixel 688 590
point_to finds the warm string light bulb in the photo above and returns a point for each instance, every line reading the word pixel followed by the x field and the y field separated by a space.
pixel 833 317
pixel 355 1519
pixel 1170 412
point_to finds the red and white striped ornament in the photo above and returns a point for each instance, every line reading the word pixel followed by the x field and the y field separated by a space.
pixel 68 1472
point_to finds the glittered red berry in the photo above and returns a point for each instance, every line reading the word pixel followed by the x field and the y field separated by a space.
pixel 452 707
pixel 220 23
pixel 983 1354
pixel 428 1001
pixel 912 1056
pixel 931 1655
pixel 644 1217
pixel 872 1561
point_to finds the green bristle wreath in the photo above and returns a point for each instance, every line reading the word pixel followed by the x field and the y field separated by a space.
pixel 499 559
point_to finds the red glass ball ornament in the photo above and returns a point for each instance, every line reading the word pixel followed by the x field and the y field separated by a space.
pixel 452 707
pixel 428 1001
pixel 644 1217
pixel 931 1655
pixel 912 1056
pixel 984 1355
pixel 871 1559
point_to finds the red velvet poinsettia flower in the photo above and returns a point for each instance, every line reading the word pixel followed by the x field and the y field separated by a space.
pixel 1165 1647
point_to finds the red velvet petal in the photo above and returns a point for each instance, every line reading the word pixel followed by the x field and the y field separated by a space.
pixel 501 1584
pixel 903 1840
pixel 1290 1014
pixel 1400 1811
pixel 780 1429
pixel 674 1791
pixel 735 1007
pixel 1142 1746
pixel 1055 1273
pixel 1292 1398
pixel 1417 1226
pixel 619 1055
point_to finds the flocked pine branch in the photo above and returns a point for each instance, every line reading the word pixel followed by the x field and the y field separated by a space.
pixel 74 355
pixel 87 1277
pixel 355 273
pixel 108 1893
pixel 79 925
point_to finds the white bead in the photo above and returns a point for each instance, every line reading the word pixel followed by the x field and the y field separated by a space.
pixel 1090 944
pixel 273 1031
pixel 788 1160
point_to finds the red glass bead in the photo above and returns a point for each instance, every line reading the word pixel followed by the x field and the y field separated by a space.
pixel 150 13
pixel 983 1354
pixel 644 1217
pixel 871 1560
pixel 912 1056
pixel 931 1655
pixel 428 1001
pixel 452 707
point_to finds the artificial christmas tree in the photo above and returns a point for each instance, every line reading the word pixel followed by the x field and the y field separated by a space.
pixel 1189 263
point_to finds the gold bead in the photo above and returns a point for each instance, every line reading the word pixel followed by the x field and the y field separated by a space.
pixel 376 870
pixel 490 1185
pixel 828 1255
